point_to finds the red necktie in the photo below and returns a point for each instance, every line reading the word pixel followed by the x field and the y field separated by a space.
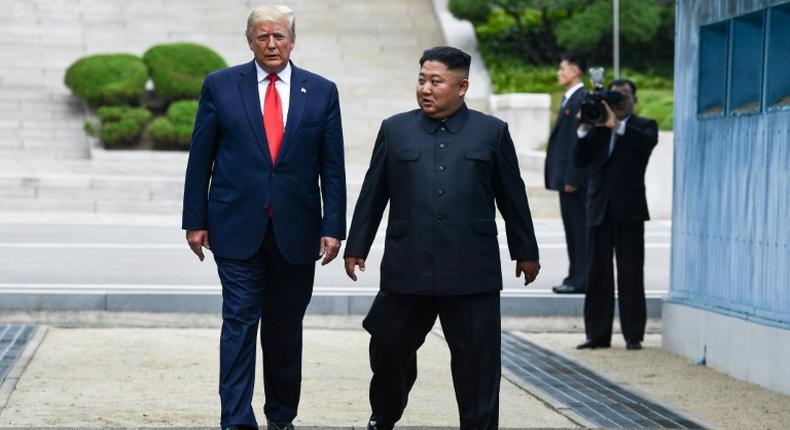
pixel 273 118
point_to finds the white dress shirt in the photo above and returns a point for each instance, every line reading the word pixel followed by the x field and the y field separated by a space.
pixel 570 92
pixel 283 87
pixel 581 133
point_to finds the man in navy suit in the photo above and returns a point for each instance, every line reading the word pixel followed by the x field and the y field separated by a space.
pixel 443 169
pixel 616 152
pixel 562 175
pixel 265 133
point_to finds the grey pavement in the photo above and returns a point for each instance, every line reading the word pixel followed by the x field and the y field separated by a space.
pixel 143 263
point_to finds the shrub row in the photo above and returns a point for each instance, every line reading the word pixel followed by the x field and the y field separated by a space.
pixel 116 82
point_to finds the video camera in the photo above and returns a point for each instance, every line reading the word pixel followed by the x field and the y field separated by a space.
pixel 592 109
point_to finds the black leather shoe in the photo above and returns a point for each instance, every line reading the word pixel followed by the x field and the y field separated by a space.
pixel 373 424
pixel 280 426
pixel 593 344
pixel 239 428
pixel 566 289
pixel 633 346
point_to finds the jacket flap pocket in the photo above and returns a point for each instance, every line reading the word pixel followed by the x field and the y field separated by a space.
pixel 407 154
pixel 397 228
pixel 222 195
pixel 478 154
pixel 485 227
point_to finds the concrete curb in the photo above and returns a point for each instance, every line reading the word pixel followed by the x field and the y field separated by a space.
pixel 327 302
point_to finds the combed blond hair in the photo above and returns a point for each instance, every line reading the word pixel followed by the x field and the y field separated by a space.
pixel 273 13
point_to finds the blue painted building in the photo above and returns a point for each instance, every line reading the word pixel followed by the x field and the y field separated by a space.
pixel 729 296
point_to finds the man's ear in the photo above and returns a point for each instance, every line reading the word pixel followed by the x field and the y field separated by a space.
pixel 636 99
pixel 463 86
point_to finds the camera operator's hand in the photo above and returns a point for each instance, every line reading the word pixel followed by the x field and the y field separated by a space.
pixel 611 118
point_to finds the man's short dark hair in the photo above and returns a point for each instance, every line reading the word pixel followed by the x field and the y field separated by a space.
pixel 455 59
pixel 577 60
pixel 623 82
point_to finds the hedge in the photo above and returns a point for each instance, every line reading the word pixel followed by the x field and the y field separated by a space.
pixel 119 126
pixel 178 69
pixel 107 79
pixel 174 131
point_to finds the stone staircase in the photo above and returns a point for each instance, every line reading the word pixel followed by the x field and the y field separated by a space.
pixel 370 48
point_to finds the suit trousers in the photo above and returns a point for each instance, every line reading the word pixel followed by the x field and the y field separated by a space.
pixel 267 289
pixel 627 240
pixel 399 323
pixel 573 210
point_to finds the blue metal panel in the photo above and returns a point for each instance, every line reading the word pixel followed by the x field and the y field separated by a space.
pixel 731 208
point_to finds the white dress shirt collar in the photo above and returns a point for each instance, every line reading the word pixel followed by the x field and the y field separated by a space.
pixel 572 90
pixel 284 75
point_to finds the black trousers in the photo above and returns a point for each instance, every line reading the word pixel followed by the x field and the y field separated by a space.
pixel 574 219
pixel 267 289
pixel 627 240
pixel 398 325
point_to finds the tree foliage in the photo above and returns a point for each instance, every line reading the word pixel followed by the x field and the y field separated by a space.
pixel 540 31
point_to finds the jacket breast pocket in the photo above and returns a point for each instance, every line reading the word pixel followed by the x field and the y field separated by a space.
pixel 407 154
pixel 478 155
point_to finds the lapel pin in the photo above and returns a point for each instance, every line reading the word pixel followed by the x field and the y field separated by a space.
pixel 304 90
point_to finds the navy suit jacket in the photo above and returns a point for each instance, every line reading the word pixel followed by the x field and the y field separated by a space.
pixel 231 181
pixel 617 181
pixel 442 180
pixel 559 169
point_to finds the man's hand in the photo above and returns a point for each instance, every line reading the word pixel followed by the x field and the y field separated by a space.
pixel 611 118
pixel 530 268
pixel 197 240
pixel 329 248
pixel 350 263
pixel 569 189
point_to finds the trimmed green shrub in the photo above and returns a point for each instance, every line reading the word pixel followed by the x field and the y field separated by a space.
pixel 107 79
pixel 120 126
pixel 656 104
pixel 178 69
pixel 174 131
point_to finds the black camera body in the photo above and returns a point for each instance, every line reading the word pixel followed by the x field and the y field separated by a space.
pixel 592 109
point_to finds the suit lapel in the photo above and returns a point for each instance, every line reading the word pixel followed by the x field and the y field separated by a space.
pixel 248 89
pixel 299 94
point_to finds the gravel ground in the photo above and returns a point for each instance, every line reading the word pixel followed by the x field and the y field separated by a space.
pixel 156 377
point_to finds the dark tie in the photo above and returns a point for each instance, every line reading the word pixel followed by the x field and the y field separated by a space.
pixel 273 118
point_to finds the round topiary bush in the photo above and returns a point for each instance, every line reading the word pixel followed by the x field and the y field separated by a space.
pixel 178 69
pixel 174 131
pixel 120 126
pixel 107 79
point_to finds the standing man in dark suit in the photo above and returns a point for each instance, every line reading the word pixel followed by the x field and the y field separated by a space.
pixel 442 168
pixel 265 133
pixel 617 152
pixel 562 175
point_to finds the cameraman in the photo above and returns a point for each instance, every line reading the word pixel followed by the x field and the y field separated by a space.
pixel 616 151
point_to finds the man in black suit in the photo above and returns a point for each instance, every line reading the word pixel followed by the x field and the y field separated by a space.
pixel 442 168
pixel 616 152
pixel 562 175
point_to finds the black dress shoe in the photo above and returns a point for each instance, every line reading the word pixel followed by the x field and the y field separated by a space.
pixel 374 424
pixel 633 346
pixel 279 426
pixel 593 344
pixel 566 289
pixel 239 428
